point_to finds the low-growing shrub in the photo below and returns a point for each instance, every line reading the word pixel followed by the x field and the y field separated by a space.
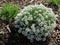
pixel 36 22
pixel 8 11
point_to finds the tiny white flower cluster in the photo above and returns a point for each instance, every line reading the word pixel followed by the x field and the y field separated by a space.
pixel 35 22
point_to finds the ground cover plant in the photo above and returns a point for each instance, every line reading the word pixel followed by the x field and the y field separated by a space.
pixel 36 22
pixel 8 12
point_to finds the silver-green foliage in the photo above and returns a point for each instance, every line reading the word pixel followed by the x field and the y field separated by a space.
pixel 35 22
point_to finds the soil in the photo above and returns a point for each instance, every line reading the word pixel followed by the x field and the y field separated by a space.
pixel 3 33
pixel 55 38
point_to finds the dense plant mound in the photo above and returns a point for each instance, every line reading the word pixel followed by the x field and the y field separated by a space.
pixel 35 22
